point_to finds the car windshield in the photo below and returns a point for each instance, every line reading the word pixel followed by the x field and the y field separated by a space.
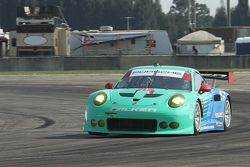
pixel 161 82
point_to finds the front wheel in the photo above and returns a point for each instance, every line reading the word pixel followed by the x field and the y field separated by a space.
pixel 227 114
pixel 197 118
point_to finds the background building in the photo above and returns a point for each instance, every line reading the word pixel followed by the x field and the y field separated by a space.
pixel 200 43
pixel 40 31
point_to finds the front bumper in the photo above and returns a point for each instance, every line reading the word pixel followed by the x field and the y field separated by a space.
pixel 140 122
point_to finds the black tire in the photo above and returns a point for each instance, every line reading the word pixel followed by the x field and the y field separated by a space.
pixel 197 118
pixel 98 134
pixel 227 115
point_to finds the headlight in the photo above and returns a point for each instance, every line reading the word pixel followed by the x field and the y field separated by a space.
pixel 176 101
pixel 100 98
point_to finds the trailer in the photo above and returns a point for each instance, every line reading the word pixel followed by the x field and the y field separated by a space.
pixel 106 41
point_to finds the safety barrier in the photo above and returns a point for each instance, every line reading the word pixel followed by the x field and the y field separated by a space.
pixel 120 62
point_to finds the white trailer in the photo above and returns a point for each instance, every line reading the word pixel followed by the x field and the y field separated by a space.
pixel 108 42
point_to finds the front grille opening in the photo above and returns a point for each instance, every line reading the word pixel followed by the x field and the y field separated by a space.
pixel 153 95
pixel 145 125
pixel 136 99
pixel 127 94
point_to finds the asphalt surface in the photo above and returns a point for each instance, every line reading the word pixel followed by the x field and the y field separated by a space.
pixel 41 117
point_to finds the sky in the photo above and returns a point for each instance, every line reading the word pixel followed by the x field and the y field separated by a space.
pixel 211 4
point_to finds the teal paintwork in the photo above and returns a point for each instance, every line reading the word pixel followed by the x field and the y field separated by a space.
pixel 120 104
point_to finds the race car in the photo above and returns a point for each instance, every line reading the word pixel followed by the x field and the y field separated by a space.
pixel 160 100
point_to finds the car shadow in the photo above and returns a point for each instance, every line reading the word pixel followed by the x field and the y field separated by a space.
pixel 82 136
pixel 79 136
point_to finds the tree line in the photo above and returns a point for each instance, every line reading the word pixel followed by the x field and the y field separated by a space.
pixel 146 14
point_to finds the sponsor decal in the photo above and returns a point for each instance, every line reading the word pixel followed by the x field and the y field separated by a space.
pixel 208 127
pixel 159 72
pixel 214 75
pixel 219 115
pixel 219 124
pixel 125 109
pixel 222 94
pixel 148 91
pixel 134 102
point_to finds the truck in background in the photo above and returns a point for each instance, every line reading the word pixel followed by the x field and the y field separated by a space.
pixel 40 31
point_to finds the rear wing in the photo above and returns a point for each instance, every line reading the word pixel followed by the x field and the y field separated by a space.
pixel 218 75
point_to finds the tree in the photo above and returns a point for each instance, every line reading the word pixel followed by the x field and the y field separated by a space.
pixel 220 18
pixel 113 12
pixel 7 14
pixel 145 14
pixel 240 15
pixel 178 17
pixel 203 16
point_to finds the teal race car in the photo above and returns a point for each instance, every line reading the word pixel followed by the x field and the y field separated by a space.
pixel 160 100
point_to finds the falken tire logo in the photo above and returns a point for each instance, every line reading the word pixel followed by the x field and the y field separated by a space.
pixel 135 109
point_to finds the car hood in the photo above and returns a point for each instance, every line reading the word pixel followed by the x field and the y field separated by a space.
pixel 145 97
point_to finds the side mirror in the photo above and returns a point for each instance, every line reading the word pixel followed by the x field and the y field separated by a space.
pixel 205 88
pixel 109 85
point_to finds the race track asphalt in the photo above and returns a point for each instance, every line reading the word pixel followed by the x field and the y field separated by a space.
pixel 41 117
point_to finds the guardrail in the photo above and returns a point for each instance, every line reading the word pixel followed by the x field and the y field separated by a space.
pixel 120 62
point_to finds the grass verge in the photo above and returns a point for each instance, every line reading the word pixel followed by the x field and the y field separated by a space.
pixel 96 72
pixel 64 72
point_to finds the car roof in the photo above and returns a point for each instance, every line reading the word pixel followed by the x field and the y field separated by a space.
pixel 178 68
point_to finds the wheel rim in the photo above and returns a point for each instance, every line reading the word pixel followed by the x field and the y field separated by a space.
pixel 197 117
pixel 227 114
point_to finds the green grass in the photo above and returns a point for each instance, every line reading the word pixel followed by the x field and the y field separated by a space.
pixel 97 72
pixel 64 72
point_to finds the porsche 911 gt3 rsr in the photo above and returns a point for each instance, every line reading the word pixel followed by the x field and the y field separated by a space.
pixel 160 100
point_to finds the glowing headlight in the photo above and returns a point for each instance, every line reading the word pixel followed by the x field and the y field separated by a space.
pixel 100 98
pixel 176 101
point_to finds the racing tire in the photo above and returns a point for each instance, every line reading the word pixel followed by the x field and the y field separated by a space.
pixel 227 114
pixel 197 118
pixel 98 134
